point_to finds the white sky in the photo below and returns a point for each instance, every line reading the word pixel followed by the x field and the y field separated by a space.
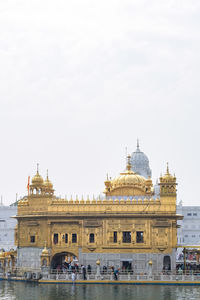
pixel 81 80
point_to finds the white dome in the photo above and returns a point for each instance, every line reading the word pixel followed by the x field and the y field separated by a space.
pixel 140 163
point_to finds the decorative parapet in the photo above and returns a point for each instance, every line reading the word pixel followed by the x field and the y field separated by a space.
pixel 83 206
pixel 23 202
pixel 149 206
pixel 106 201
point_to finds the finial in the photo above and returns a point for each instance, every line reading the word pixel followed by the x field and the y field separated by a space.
pixel 37 168
pixel 128 167
pixel 47 174
pixel 138 145
pixel 45 244
pixel 107 177
pixel 167 168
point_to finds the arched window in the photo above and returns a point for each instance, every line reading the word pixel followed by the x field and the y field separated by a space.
pixel 167 263
pixel 91 237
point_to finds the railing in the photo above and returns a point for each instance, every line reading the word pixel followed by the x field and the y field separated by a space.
pixel 123 276
pixel 26 273
pixel 126 276
pixel 66 275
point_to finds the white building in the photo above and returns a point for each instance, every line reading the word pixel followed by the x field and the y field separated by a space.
pixel 189 231
pixel 7 226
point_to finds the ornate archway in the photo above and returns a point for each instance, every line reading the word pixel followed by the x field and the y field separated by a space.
pixel 63 258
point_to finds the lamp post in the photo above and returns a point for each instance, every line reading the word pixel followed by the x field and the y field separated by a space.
pixel 150 268
pixel 98 274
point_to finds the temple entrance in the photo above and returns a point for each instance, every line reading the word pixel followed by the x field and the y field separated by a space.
pixel 64 260
pixel 167 263
pixel 126 266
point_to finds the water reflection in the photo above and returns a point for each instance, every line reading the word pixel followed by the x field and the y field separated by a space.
pixel 24 291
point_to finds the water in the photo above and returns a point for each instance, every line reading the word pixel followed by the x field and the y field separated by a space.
pixel 29 291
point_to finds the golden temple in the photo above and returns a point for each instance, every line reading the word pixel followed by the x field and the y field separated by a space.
pixel 129 227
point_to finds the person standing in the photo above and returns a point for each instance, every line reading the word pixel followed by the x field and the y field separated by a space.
pixel 83 272
pixel 116 272
pixel 73 276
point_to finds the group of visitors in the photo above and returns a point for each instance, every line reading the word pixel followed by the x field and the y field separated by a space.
pixel 67 267
pixel 83 271
pixel 74 269
pixel 189 267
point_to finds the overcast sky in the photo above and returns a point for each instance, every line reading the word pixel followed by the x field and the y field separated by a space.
pixel 81 80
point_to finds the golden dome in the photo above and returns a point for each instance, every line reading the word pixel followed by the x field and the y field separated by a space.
pixel 45 251
pixel 1 254
pixel 128 183
pixel 48 184
pixel 168 177
pixel 128 178
pixel 37 179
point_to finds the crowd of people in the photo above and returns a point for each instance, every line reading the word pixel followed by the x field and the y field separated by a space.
pixel 189 267
pixel 74 269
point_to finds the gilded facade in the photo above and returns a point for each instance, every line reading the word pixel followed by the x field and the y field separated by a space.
pixel 128 228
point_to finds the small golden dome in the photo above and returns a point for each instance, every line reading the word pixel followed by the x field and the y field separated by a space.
pixel 98 262
pixel 45 251
pixel 37 179
pixel 1 254
pixel 168 177
pixel 148 181
pixel 48 184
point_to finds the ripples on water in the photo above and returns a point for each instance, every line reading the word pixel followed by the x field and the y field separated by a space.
pixel 29 291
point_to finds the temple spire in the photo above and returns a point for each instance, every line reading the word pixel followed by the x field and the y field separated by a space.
pixel 167 168
pixel 37 168
pixel 138 145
